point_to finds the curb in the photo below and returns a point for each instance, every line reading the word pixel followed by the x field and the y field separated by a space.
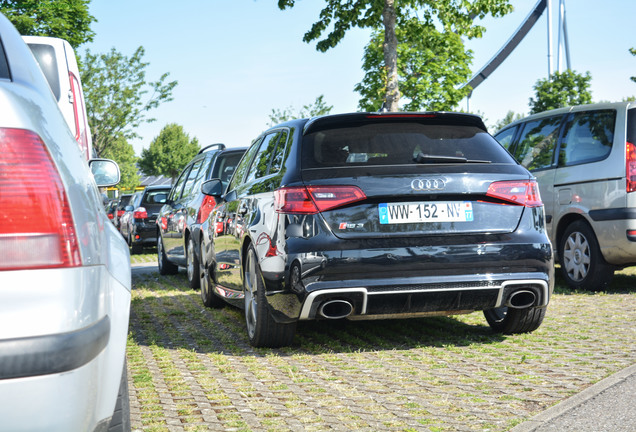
pixel 562 409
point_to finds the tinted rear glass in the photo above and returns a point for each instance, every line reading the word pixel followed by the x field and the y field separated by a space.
pixel 398 144
pixel 45 55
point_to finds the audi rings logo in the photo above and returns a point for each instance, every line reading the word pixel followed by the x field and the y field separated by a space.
pixel 428 184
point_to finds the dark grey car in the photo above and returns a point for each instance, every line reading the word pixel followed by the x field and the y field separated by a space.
pixel 178 226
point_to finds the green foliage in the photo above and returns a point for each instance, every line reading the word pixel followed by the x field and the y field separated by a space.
pixel 66 19
pixel 431 66
pixel 318 108
pixel 124 154
pixel 383 81
pixel 561 90
pixel 169 152
pixel 509 118
pixel 118 97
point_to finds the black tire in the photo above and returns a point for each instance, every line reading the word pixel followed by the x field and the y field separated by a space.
pixel 511 321
pixel 582 264
pixel 136 249
pixel 262 329
pixel 120 422
pixel 206 282
pixel 165 266
pixel 192 265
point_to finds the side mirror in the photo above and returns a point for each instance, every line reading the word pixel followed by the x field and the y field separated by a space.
pixel 105 172
pixel 128 208
pixel 212 187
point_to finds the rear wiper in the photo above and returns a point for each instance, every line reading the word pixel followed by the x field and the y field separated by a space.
pixel 422 158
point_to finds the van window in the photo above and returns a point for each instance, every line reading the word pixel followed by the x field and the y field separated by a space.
pixel 537 143
pixel 45 55
pixel 505 137
pixel 588 137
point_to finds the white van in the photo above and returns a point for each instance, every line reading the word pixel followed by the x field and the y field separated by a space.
pixel 584 159
pixel 57 60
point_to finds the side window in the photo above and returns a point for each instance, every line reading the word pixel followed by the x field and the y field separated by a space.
pixel 190 182
pixel 176 190
pixel 242 167
pixel 588 137
pixel 537 142
pixel 505 137
pixel 260 166
pixel 279 153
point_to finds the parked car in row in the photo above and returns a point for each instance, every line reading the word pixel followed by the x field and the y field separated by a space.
pixel 178 230
pixel 138 223
pixel 111 209
pixel 584 159
pixel 65 271
pixel 122 202
pixel 377 215
pixel 59 65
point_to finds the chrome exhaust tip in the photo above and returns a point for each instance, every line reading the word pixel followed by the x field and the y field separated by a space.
pixel 522 299
pixel 335 309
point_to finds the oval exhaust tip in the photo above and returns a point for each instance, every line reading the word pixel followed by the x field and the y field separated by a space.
pixel 522 299
pixel 335 309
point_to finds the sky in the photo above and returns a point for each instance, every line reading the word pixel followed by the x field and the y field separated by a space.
pixel 237 60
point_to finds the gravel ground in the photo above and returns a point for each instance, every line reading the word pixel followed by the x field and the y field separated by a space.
pixel 191 368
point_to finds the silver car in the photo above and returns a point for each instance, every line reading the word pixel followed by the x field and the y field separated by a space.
pixel 64 269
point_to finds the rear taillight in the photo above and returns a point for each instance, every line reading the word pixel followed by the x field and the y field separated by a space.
pixel 111 216
pixel 140 213
pixel 120 213
pixel 525 193
pixel 206 207
pixel 36 228
pixel 314 199
pixel 631 167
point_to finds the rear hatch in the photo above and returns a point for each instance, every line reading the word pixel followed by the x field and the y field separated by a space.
pixel 412 174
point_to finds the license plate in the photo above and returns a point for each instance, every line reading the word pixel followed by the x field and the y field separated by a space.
pixel 415 212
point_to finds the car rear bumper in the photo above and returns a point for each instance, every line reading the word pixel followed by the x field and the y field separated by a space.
pixel 450 276
pixel 55 353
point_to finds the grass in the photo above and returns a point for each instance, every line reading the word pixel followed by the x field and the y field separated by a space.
pixel 193 367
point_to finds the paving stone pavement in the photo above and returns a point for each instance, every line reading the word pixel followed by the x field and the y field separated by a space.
pixel 191 368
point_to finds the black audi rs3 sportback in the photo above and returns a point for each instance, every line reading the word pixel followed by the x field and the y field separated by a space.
pixel 377 215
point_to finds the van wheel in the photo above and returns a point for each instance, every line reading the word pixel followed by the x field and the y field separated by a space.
pixel 582 264
pixel 192 266
pixel 165 266
pixel 262 329
pixel 510 321
pixel 207 295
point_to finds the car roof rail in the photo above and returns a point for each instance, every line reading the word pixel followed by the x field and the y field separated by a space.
pixel 220 146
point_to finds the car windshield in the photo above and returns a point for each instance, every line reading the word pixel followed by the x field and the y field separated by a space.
pixel 400 143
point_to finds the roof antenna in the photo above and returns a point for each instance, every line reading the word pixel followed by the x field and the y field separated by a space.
pixel 383 108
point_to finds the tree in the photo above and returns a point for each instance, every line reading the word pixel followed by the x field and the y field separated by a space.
pixel 561 90
pixel 509 118
pixel 66 19
pixel 319 107
pixel 169 152
pixel 431 67
pixel 118 97
pixel 124 154
pixel 449 15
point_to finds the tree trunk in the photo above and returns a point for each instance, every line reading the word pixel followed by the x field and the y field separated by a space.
pixel 392 96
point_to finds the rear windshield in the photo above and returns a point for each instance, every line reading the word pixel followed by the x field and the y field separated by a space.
pixel 399 144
